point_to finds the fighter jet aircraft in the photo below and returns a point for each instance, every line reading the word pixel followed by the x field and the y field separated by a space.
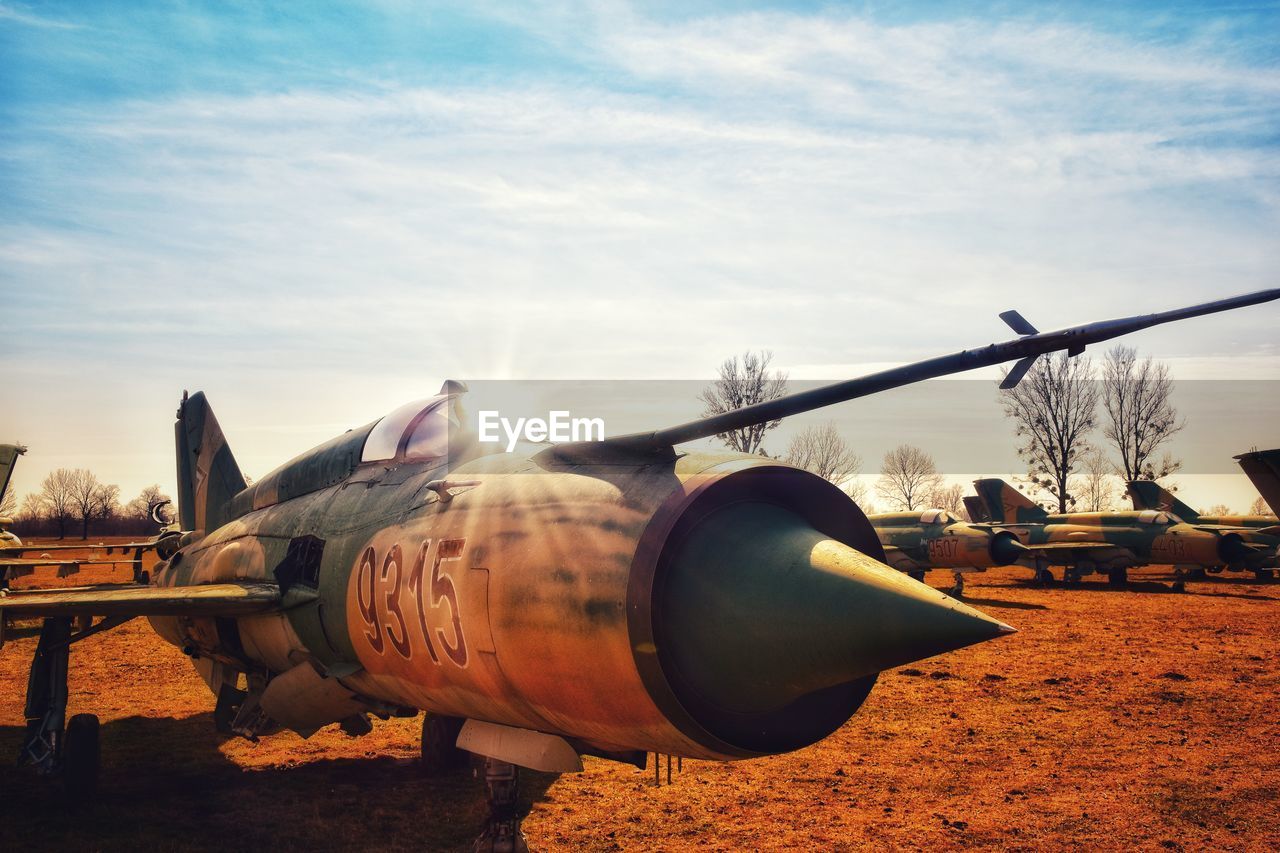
pixel 607 598
pixel 1259 532
pixel 1111 542
pixel 18 560
pixel 915 542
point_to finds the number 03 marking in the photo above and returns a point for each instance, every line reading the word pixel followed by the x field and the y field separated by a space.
pixel 378 601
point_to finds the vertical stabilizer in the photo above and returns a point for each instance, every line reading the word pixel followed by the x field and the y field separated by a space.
pixel 1263 468
pixel 208 476
pixel 9 454
pixel 976 508
pixel 1148 494
pixel 1007 505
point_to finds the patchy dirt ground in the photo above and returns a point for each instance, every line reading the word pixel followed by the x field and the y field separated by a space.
pixel 1115 719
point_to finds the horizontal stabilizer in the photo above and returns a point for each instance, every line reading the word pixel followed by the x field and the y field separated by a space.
pixel 1019 370
pixel 1018 323
pixel 220 599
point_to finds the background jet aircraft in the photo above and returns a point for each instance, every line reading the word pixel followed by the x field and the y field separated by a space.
pixel 610 598
pixel 1259 532
pixel 915 542
pixel 1111 542
pixel 18 560
pixel 1263 468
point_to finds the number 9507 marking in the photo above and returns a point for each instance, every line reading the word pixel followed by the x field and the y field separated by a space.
pixel 436 621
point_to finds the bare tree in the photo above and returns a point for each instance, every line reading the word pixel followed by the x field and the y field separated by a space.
pixel 822 450
pixel 950 498
pixel 32 510
pixel 1094 488
pixel 1217 509
pixel 908 477
pixel 106 502
pixel 857 492
pixel 140 507
pixel 1054 410
pixel 8 503
pixel 92 500
pixel 1259 507
pixel 1140 417
pixel 57 498
pixel 742 384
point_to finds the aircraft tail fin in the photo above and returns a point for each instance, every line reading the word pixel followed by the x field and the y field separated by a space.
pixel 9 454
pixel 1263 468
pixel 976 508
pixel 1006 505
pixel 208 476
pixel 1148 494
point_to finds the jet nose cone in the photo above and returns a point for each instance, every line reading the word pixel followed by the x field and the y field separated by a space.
pixel 759 609
pixel 1006 549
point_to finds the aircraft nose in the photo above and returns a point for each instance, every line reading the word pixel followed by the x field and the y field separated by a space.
pixel 1006 549
pixel 759 609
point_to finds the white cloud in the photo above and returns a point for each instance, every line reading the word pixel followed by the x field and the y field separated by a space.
pixel 835 190
pixel 21 15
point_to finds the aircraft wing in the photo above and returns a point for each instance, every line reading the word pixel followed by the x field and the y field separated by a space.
pixel 17 567
pixel 17 550
pixel 219 599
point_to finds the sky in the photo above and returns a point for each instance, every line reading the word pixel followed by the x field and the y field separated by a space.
pixel 316 212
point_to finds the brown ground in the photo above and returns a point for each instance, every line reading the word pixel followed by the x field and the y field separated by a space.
pixel 1113 720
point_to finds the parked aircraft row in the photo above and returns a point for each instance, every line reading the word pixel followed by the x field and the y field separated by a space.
pixel 1007 528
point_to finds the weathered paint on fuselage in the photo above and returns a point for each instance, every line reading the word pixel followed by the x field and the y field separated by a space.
pixel 1133 544
pixel 924 545
pixel 1149 495
pixel 1136 538
pixel 506 603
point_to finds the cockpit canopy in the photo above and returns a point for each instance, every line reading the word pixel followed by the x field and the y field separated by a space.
pixel 937 516
pixel 417 430
pixel 1151 516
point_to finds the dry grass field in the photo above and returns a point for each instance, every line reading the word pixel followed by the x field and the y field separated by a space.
pixel 1114 720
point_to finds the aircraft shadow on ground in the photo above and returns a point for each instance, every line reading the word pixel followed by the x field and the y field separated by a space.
pixel 1154 587
pixel 1008 605
pixel 165 785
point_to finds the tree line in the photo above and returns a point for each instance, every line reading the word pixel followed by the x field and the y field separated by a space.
pixel 74 502
pixel 1057 410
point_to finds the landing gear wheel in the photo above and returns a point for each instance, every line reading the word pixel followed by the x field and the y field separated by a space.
pixel 1118 577
pixel 1070 576
pixel 440 753
pixel 957 589
pixel 1264 574
pixel 916 576
pixel 1197 574
pixel 1044 577
pixel 502 832
pixel 81 757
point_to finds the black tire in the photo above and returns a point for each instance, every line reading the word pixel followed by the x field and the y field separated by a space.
pixel 916 576
pixel 81 758
pixel 440 753
pixel 1118 577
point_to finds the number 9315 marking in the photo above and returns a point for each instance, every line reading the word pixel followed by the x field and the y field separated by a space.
pixel 435 622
